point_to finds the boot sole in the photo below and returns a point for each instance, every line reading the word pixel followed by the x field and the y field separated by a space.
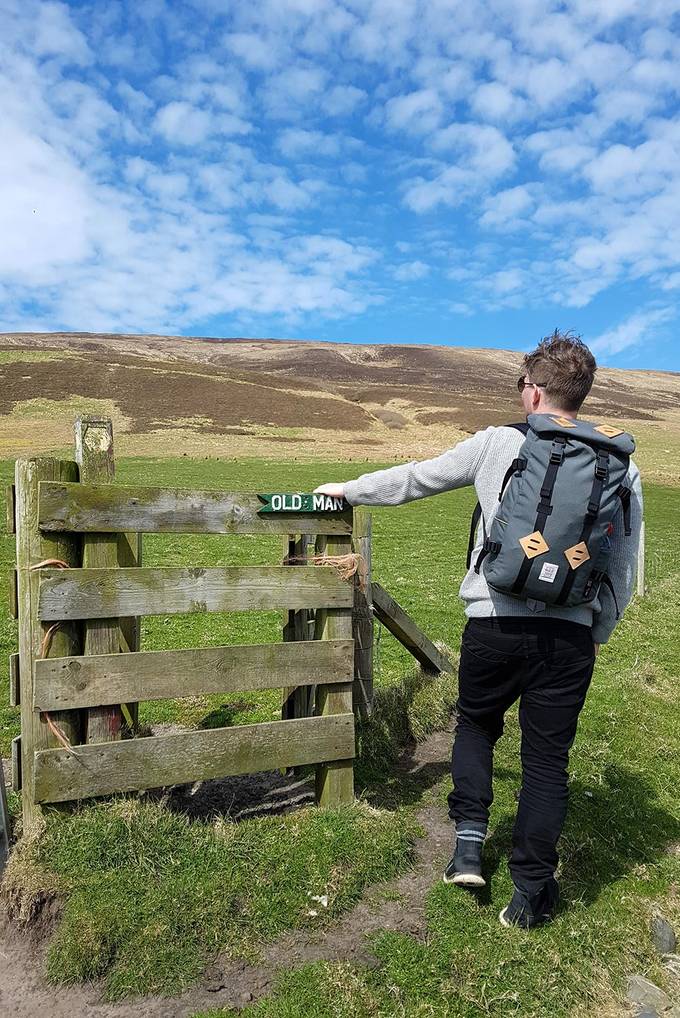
pixel 465 880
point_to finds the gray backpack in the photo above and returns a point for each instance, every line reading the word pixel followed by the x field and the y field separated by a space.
pixel 560 502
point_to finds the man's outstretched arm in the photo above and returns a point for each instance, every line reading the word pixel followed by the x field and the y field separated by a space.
pixel 455 468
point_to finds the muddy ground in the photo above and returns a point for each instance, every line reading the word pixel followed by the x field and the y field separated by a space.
pixel 395 905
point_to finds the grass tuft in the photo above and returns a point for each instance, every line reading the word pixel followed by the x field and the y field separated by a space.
pixel 150 896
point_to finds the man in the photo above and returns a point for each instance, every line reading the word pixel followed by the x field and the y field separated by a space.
pixel 512 649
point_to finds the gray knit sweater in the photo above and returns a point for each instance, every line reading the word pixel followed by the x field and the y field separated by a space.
pixel 482 461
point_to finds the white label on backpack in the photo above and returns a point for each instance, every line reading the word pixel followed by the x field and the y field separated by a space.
pixel 548 572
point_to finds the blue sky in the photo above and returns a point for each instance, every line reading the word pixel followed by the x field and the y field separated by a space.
pixel 385 170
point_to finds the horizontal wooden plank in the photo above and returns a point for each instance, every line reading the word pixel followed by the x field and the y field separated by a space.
pixel 104 508
pixel 14 686
pixel 64 683
pixel 401 625
pixel 108 593
pixel 102 768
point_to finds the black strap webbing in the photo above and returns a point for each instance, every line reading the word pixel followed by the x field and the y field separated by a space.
pixel 601 470
pixel 523 428
pixel 624 494
pixel 608 583
pixel 474 523
pixel 544 506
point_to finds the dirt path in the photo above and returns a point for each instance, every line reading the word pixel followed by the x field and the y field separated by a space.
pixel 395 905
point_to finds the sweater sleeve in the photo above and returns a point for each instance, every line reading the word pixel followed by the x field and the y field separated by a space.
pixel 455 468
pixel 622 566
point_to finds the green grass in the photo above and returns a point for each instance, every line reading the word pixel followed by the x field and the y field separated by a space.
pixel 617 862
pixel 149 895
pixel 620 863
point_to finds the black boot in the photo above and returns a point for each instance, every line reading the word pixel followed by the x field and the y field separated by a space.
pixel 529 910
pixel 465 867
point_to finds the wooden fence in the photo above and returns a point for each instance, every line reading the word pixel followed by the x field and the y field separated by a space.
pixel 80 588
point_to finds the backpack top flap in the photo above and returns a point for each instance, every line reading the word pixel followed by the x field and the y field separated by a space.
pixel 605 436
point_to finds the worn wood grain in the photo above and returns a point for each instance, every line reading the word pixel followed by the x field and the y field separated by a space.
pixel 15 753
pixel 401 625
pixel 13 594
pixel 10 508
pixel 70 682
pixel 335 780
pixel 32 546
pixel 298 701
pixel 151 510
pixel 14 684
pixel 101 593
pixel 103 768
pixel 129 549
pixel 4 822
pixel 362 617
pixel 102 633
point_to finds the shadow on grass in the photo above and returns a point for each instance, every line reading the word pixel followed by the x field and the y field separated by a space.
pixel 609 832
pixel 395 764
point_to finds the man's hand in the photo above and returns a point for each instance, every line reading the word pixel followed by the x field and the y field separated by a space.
pixel 597 648
pixel 334 490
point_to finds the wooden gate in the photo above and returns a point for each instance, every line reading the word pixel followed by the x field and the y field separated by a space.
pixel 80 590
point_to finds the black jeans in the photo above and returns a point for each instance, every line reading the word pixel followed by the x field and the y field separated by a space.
pixel 547 664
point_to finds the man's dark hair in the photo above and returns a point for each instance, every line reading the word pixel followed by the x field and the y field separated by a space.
pixel 564 366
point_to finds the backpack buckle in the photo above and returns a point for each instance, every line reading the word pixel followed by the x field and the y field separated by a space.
pixel 601 465
pixel 557 455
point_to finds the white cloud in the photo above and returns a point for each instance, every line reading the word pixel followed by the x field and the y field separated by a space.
pixel 409 271
pixel 494 101
pixel 639 328
pixel 418 112
pixel 547 138
pixel 342 100
pixel 505 208
pixel 294 142
pixel 184 124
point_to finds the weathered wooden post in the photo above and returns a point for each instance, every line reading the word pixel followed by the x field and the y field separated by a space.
pixel 130 554
pixel 363 625
pixel 32 547
pixel 4 822
pixel 334 781
pixel 94 455
pixel 298 701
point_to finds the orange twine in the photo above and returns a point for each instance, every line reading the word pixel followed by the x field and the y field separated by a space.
pixel 59 735
pixel 346 565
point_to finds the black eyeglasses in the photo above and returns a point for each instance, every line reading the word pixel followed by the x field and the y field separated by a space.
pixel 522 384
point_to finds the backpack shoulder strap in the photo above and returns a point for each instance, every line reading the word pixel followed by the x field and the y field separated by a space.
pixel 523 428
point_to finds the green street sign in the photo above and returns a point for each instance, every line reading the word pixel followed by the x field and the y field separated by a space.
pixel 287 502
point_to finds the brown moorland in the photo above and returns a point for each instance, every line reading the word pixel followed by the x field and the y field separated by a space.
pixel 237 398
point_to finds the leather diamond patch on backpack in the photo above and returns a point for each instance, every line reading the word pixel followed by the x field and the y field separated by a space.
pixel 609 430
pixel 563 422
pixel 577 554
pixel 534 544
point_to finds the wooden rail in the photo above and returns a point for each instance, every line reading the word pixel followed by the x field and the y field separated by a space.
pixel 113 508
pixel 401 625
pixel 65 683
pixel 103 768
pixel 101 593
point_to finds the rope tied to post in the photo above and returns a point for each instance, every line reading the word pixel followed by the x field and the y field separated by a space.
pixel 60 736
pixel 345 565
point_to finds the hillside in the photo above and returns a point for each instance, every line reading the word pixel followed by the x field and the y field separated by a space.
pixel 238 398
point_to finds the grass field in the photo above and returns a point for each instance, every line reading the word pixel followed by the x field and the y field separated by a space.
pixel 620 849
